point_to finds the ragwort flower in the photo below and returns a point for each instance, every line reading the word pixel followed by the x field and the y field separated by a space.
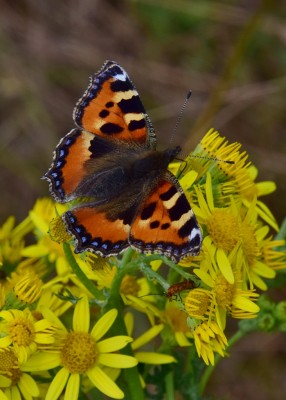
pixel 26 334
pixel 81 352
pixel 14 383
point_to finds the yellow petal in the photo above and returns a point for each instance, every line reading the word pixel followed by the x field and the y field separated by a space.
pixel 28 386
pixel 181 339
pixel 35 250
pixel 14 393
pixel 42 362
pixel 81 316
pixel 103 383
pixel 113 344
pixel 245 304
pixel 103 324
pixel 147 336
pixel 263 270
pixel 72 388
pixel 57 385
pixel 117 360
pixel 2 396
pixel 224 266
pixel 154 358
pixel 204 276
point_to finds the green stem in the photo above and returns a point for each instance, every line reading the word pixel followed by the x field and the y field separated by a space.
pixel 209 370
pixel 169 381
pixel 81 275
pixel 153 275
pixel 131 375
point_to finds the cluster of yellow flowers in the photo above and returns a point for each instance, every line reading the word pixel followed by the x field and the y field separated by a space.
pixel 77 324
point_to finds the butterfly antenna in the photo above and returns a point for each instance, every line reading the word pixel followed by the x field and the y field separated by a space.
pixel 179 118
pixel 214 159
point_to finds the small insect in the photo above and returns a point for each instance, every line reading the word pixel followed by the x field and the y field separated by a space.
pixel 174 291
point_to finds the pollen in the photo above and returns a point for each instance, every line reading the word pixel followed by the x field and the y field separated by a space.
pixel 224 292
pixel 79 352
pixel 57 230
pixel 197 303
pixel 224 228
pixel 21 331
pixel 9 366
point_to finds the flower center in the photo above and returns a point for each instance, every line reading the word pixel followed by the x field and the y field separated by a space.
pixel 129 285
pixel 9 366
pixel 22 331
pixel 178 319
pixel 79 352
pixel 57 230
pixel 250 244
pixel 197 303
pixel 224 292
pixel 224 228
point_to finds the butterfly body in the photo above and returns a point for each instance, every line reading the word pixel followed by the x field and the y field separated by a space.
pixel 111 162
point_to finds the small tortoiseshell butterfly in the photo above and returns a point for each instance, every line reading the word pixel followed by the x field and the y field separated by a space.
pixel 110 161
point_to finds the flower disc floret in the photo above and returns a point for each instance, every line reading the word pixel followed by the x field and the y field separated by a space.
pixel 79 352
pixel 224 229
pixel 9 366
pixel 21 331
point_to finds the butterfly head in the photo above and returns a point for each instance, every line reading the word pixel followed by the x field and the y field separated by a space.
pixel 170 154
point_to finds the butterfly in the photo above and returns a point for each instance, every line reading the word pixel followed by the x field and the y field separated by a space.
pixel 110 162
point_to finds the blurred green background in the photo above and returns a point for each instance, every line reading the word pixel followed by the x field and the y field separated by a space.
pixel 230 53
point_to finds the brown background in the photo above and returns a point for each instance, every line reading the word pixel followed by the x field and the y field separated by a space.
pixel 230 53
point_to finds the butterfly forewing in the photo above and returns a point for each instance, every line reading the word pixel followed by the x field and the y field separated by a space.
pixel 111 106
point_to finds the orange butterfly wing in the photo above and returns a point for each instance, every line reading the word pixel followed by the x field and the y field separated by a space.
pixel 110 108
pixel 93 231
pixel 166 224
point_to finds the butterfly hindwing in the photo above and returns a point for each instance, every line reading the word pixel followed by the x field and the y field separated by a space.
pixel 92 230
pixel 166 224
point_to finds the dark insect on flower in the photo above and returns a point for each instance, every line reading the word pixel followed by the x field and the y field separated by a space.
pixel 174 290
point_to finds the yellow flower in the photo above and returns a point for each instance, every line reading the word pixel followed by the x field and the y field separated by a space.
pixel 274 253
pixel 52 301
pixel 41 215
pixel 209 339
pixel 14 383
pixel 28 288
pixel 177 320
pixel 83 353
pixel 234 229
pixel 142 305
pixel 220 297
pixel 146 357
pixel 21 330
pixel 241 174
